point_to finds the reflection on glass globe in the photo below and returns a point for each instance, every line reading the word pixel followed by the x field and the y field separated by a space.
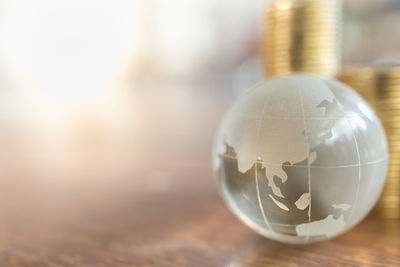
pixel 300 159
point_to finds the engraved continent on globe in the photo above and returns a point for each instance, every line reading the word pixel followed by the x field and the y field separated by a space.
pixel 300 159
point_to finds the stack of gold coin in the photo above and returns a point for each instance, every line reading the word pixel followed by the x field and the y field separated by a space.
pixel 302 36
pixel 381 87
pixel 387 84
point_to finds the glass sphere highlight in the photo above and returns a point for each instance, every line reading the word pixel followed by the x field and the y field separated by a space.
pixel 300 159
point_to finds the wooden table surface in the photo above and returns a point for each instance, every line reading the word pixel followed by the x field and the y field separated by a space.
pixel 162 209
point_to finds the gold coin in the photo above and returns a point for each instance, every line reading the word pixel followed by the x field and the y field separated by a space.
pixel 302 36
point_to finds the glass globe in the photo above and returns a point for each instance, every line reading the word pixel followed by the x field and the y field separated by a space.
pixel 300 159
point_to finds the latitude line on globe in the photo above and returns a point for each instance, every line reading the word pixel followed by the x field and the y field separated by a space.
pixel 312 167
pixel 300 118
pixel 308 162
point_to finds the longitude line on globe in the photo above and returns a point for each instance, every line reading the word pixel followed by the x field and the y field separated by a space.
pixel 259 201
pixel 308 163
pixel 359 162
pixel 256 174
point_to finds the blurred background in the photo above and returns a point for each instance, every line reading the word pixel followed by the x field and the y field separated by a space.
pixel 103 101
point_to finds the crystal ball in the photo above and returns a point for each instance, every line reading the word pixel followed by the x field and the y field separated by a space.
pixel 300 158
